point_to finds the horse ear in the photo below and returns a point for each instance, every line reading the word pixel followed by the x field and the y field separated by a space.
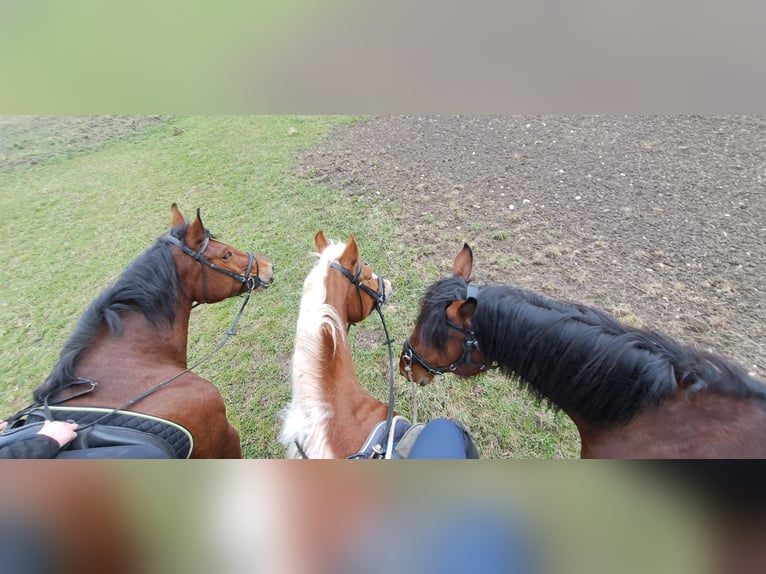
pixel 468 308
pixel 461 312
pixel 350 257
pixel 196 232
pixel 320 241
pixel 176 217
pixel 463 263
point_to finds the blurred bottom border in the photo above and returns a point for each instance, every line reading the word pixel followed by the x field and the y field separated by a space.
pixel 349 517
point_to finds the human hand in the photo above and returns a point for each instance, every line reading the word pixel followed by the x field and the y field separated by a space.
pixel 3 424
pixel 60 431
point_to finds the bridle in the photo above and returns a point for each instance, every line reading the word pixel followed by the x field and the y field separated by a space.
pixel 470 344
pixel 249 283
pixel 379 298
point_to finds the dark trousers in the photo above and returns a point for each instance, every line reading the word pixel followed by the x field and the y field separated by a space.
pixel 444 438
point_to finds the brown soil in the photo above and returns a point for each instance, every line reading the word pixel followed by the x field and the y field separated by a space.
pixel 658 220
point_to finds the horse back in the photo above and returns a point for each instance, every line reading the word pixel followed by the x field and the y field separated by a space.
pixel 190 401
pixel 703 424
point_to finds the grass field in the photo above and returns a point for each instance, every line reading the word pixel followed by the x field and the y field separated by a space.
pixel 73 221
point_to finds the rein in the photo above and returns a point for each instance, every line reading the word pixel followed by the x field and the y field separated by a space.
pixel 379 298
pixel 470 344
pixel 250 287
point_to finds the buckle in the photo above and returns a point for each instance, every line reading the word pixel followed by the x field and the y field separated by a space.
pixel 377 452
pixel 253 282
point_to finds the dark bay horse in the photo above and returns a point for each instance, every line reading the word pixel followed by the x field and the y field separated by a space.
pixel 132 340
pixel 632 393
pixel 330 414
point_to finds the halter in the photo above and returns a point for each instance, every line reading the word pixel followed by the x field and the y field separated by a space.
pixel 470 344
pixel 379 298
pixel 250 283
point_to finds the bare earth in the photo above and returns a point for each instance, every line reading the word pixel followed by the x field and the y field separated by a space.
pixel 658 220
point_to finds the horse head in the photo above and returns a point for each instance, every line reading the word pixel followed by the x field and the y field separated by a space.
pixel 443 339
pixel 235 271
pixel 361 289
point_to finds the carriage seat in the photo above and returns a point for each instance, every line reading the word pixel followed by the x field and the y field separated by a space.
pixel 123 434
pixel 108 441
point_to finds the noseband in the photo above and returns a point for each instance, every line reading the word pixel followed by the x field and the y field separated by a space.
pixel 250 283
pixel 470 344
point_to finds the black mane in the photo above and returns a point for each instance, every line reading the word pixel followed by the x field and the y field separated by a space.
pixel 580 359
pixel 148 286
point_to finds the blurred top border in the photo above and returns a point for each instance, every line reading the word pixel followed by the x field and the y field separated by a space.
pixel 363 57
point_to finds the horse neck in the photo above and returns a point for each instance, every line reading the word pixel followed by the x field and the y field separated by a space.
pixel 142 341
pixel 355 412
pixel 570 356
pixel 352 398
pixel 512 355
pixel 701 425
pixel 336 411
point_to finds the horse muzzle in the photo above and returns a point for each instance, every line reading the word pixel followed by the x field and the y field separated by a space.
pixel 409 363
pixel 263 277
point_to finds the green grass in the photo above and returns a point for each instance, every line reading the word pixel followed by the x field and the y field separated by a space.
pixel 74 222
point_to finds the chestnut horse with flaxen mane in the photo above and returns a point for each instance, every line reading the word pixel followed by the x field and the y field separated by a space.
pixel 330 414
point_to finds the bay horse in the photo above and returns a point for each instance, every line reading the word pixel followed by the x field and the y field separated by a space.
pixel 126 360
pixel 632 393
pixel 330 415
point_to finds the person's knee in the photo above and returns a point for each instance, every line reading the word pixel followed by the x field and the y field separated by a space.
pixel 442 425
pixel 442 438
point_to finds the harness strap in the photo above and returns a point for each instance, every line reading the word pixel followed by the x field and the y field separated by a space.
pixel 379 296
pixel 300 450
pixel 250 282
pixel 47 402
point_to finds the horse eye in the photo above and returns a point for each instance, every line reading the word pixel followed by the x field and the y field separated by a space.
pixel 227 256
